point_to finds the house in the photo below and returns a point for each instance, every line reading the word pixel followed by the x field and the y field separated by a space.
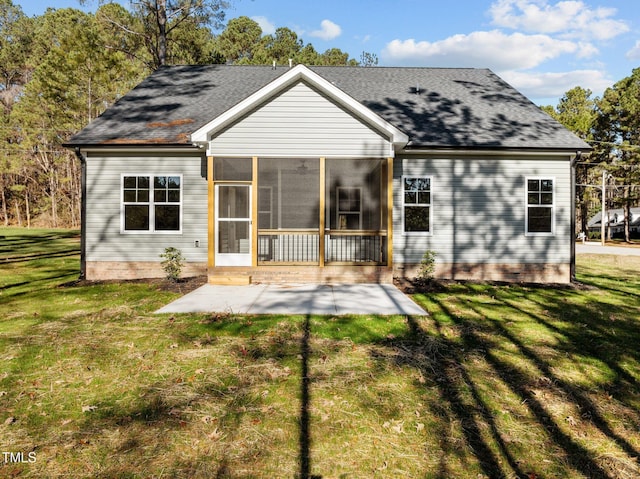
pixel 615 221
pixel 327 174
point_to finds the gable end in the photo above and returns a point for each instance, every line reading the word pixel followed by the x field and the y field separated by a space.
pixel 301 75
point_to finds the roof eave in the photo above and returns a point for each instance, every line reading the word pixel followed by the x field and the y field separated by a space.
pixel 133 145
pixel 491 149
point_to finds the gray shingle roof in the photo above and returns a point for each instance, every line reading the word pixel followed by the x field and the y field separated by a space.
pixel 435 107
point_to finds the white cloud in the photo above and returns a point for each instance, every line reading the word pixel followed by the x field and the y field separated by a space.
pixel 529 34
pixel 328 30
pixel 554 85
pixel 634 53
pixel 493 49
pixel 267 27
pixel 586 50
pixel 569 18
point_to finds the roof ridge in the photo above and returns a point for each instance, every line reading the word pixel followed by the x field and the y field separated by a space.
pixel 436 107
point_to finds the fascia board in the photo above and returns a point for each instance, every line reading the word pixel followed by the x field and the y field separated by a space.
pixel 491 152
pixel 88 149
pixel 299 73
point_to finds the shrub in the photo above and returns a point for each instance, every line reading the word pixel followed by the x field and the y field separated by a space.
pixel 427 266
pixel 172 263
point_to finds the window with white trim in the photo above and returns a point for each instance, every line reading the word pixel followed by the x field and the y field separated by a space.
pixel 540 206
pixel 152 203
pixel 349 206
pixel 416 204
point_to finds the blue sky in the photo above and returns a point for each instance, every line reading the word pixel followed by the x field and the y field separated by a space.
pixel 542 47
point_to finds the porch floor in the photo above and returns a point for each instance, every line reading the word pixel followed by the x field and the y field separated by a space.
pixel 320 299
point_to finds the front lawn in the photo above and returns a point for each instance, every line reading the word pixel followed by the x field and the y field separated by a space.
pixel 499 381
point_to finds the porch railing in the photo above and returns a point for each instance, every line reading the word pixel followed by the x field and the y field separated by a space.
pixel 288 246
pixel 357 247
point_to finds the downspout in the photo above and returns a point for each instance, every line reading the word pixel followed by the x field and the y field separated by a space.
pixel 83 213
pixel 572 265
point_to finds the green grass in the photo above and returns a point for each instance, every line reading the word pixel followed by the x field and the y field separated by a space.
pixel 498 381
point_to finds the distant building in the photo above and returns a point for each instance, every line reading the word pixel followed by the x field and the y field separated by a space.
pixel 615 219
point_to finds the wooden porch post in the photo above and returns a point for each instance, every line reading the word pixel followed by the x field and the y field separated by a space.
pixel 322 219
pixel 254 212
pixel 211 212
pixel 390 213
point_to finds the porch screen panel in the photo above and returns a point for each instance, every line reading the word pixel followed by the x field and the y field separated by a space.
pixel 356 211
pixel 288 193
pixel 232 169
pixel 356 194
pixel 288 206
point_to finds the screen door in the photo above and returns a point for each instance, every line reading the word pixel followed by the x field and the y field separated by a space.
pixel 233 225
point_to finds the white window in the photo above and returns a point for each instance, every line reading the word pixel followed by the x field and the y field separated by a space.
pixel 349 206
pixel 152 203
pixel 540 210
pixel 416 204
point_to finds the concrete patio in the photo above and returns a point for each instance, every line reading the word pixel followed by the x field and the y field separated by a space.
pixel 321 299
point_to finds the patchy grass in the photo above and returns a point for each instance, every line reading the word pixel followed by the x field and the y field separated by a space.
pixel 499 381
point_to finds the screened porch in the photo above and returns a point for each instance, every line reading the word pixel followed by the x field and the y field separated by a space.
pixel 312 211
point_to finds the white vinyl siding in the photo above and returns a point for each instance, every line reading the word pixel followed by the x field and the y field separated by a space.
pixel 106 241
pixel 300 122
pixel 479 213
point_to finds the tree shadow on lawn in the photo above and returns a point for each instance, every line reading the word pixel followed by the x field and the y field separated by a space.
pixel 622 279
pixel 38 256
pixel 214 422
pixel 487 351
pixel 478 344
pixel 37 285
pixel 45 257
pixel 30 245
pixel 166 425
pixel 285 346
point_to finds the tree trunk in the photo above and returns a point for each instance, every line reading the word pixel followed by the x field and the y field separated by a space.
pixel 584 218
pixel 89 101
pixel 4 207
pixel 72 210
pixel 75 191
pixel 18 213
pixel 162 32
pixel 54 199
pixel 26 203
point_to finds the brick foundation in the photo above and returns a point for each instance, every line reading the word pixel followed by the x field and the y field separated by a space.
pixel 309 274
pixel 512 273
pixel 523 273
pixel 120 270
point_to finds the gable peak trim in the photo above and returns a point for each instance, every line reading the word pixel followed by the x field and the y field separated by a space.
pixel 296 74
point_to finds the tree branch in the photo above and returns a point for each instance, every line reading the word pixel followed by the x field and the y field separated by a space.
pixel 119 25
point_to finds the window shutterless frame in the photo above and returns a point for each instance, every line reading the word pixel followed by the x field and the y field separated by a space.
pixel 417 205
pixel 540 206
pixel 143 196
pixel 349 208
